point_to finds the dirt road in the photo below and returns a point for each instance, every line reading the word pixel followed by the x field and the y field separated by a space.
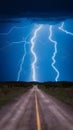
pixel 36 110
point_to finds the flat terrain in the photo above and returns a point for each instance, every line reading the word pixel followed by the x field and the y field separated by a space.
pixel 11 91
pixel 36 110
pixel 60 90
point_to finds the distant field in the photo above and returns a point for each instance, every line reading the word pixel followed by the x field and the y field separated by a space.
pixel 62 91
pixel 10 91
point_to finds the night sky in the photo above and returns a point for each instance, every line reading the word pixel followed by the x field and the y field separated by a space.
pixel 18 23
pixel 19 8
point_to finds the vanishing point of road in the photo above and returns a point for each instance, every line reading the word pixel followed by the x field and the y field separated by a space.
pixel 35 110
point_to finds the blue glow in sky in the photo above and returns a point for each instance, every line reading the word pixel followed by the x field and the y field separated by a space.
pixel 36 51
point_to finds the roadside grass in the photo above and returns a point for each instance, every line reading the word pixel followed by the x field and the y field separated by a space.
pixel 60 91
pixel 10 92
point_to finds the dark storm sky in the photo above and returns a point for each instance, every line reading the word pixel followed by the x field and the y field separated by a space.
pixel 58 10
pixel 19 8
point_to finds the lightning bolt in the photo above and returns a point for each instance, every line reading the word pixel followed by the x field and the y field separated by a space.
pixel 24 55
pixel 33 52
pixel 22 61
pixel 54 54
pixel 17 42
pixel 13 43
pixel 65 31
pixel 14 27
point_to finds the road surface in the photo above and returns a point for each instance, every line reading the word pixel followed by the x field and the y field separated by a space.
pixel 36 110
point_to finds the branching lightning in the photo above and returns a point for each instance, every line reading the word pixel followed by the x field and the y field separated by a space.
pixel 65 31
pixel 54 54
pixel 13 43
pixel 14 27
pixel 33 52
pixel 22 61
pixel 24 41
